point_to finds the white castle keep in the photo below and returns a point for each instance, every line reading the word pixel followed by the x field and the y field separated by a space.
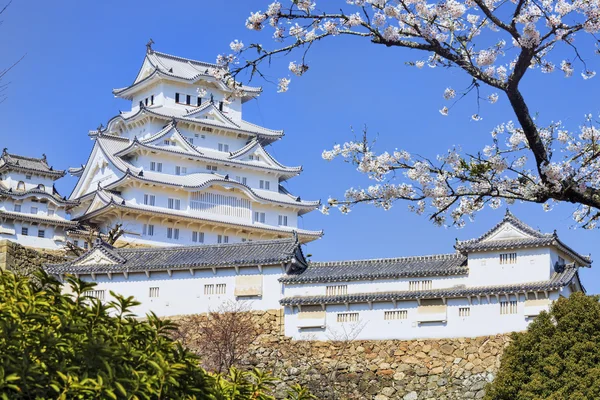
pixel 191 181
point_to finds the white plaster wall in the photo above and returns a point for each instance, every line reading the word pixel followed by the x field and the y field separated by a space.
pixel 532 265
pixel 54 239
pixel 183 293
pixel 11 180
pixel 484 319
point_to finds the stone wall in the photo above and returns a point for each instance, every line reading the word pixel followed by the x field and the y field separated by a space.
pixel 379 370
pixel 23 260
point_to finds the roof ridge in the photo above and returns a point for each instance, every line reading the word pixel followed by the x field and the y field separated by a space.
pixel 372 260
pixel 204 63
pixel 214 245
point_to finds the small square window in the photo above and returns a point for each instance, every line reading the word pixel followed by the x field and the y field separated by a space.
pixel 17 207
pixel 41 233
pixel 25 231
pixel 153 292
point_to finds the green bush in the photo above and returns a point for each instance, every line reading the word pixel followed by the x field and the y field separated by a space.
pixel 558 357
pixel 69 346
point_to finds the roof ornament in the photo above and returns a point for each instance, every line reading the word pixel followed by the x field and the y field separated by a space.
pixel 508 213
pixel 227 176
pixel 212 99
pixel 123 202
pixel 44 156
pixel 5 151
pixel 149 46
pixel 141 173
pixel 174 122
pixel 100 127
pixel 295 236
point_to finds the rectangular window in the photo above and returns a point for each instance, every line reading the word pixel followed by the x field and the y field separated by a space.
pixel 41 233
pixel 24 231
pixel 152 166
pixel 508 307
pixel 85 245
pixel 169 233
pixel 50 213
pixel 224 147
pixel 191 140
pixel 152 100
pixel 174 204
pixel 76 243
pixel 199 101
pixel 148 230
pixel 198 237
pixel 34 210
pixel 146 101
pixel 149 199
pixel 153 292
pixel 167 142
pixel 96 294
pixel 259 216
pixel 211 168
pixel 176 233
pixel 347 317
pixel 222 239
pixel 283 220
pixel 420 285
pixel 17 207
pixel 394 315
pixel 188 99
pixel 209 289
pixel 28 177
pixel 336 290
pixel 508 258
pixel 159 167
pixel 242 179
pixel 176 97
pixel 220 288
pixel 261 184
pixel 180 170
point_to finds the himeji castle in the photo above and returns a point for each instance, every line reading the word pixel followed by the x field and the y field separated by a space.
pixel 206 221
pixel 493 284
pixel 183 167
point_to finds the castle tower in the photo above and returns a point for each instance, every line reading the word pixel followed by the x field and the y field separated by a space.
pixel 183 167
pixel 31 210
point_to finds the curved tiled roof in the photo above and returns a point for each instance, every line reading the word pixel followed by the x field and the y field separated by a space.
pixel 558 280
pixel 111 200
pixel 29 164
pixel 37 219
pixel 264 134
pixel 263 253
pixel 382 268
pixel 38 193
pixel 170 66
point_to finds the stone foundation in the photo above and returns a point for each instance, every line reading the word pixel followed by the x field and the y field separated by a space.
pixel 23 260
pixel 381 370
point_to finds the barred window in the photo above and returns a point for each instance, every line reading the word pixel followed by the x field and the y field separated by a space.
pixel 464 312
pixel 336 290
pixel 96 294
pixel 209 289
pixel 347 317
pixel 220 288
pixel 420 285
pixel 508 307
pixel 41 233
pixel 198 237
pixel 508 258
pixel 394 315
pixel 154 292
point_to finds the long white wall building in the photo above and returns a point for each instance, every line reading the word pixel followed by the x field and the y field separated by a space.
pixel 182 167
pixel 493 284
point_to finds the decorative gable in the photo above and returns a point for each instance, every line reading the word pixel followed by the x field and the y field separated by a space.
pixel 507 231
pixel 95 257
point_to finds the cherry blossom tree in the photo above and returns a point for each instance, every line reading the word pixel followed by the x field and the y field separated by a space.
pixel 496 42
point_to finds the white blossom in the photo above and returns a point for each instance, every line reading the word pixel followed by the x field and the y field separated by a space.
pixel 283 85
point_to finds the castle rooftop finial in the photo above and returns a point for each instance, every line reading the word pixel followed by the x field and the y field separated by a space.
pixel 149 46
pixel 508 213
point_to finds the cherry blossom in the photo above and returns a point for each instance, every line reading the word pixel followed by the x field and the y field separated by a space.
pixel 497 44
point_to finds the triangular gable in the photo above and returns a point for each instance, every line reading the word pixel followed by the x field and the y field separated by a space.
pixel 212 113
pixel 254 148
pixel 95 257
pixel 172 134
pixel 146 70
pixel 97 161
pixel 506 231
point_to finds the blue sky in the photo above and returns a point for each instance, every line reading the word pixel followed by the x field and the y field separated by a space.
pixel 78 51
